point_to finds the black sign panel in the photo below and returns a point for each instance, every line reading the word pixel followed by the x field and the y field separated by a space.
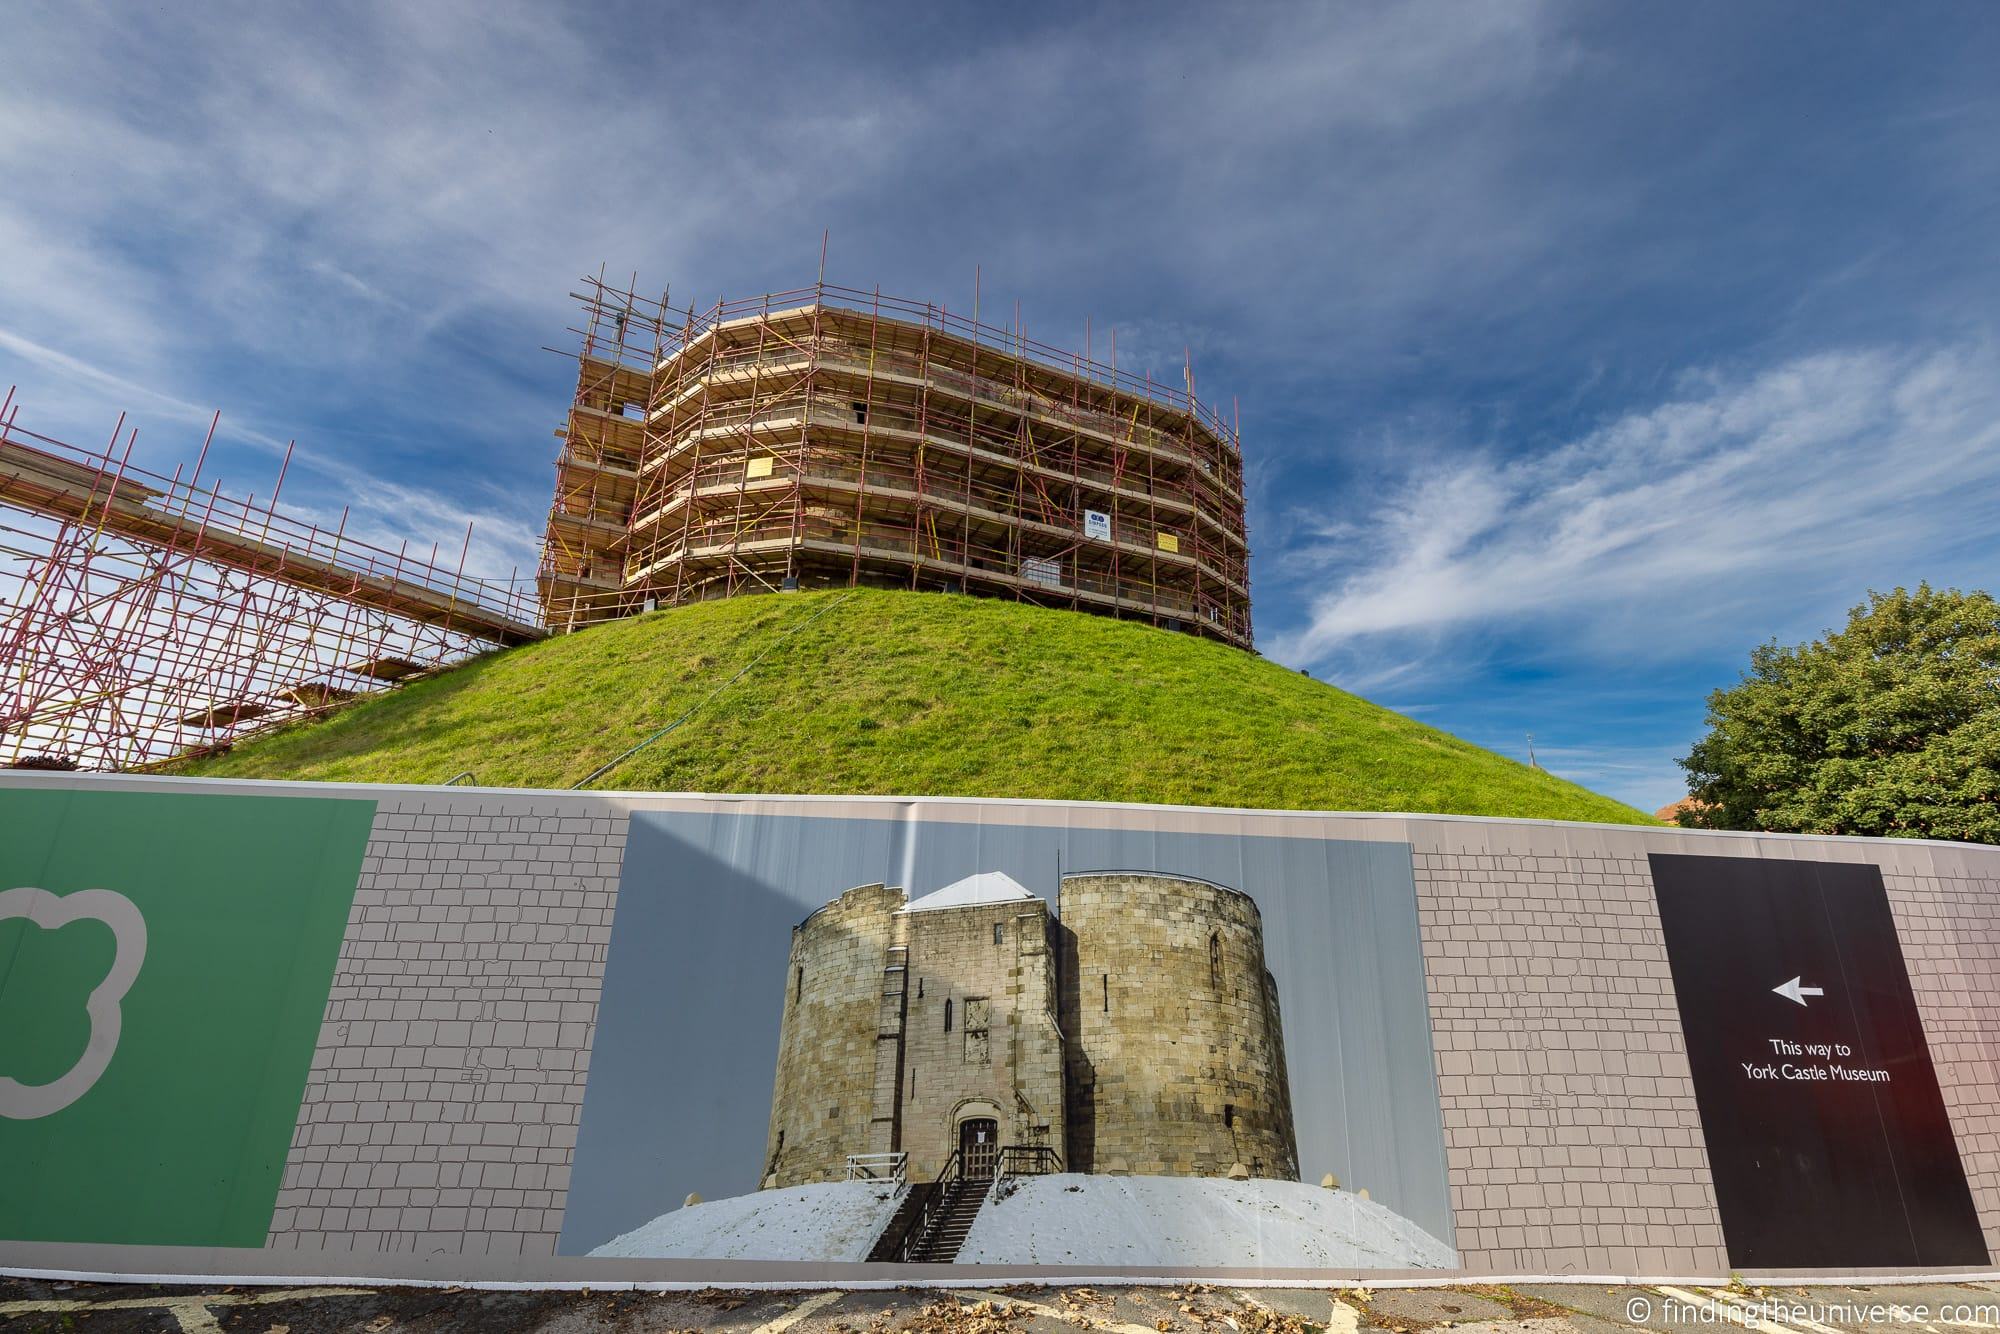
pixel 1826 1131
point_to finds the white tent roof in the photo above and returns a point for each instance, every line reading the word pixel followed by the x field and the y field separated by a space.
pixel 986 887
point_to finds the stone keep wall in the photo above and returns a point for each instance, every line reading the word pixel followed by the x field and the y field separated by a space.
pixel 865 1063
pixel 1177 1063
pixel 1015 1071
pixel 822 1105
pixel 1572 1139
pixel 441 1112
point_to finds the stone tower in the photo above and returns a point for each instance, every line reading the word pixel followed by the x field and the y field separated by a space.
pixel 828 437
pixel 913 1026
pixel 823 1107
pixel 1141 1035
pixel 1176 1046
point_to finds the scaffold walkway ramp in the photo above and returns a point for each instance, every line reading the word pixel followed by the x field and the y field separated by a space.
pixel 143 617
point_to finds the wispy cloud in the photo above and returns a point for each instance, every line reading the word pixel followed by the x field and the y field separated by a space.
pixel 1738 494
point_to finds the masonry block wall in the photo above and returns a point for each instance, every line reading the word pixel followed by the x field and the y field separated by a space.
pixel 441 1112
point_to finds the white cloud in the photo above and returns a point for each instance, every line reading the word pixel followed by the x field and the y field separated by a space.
pixel 327 190
pixel 1744 500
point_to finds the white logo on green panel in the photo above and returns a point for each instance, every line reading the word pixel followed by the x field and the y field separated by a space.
pixel 27 1102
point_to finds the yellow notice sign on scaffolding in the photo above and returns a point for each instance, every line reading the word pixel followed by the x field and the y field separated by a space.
pixel 758 467
pixel 1168 542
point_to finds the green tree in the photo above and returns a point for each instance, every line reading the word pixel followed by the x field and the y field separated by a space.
pixel 1890 726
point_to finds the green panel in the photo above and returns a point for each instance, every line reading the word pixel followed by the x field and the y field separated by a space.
pixel 182 1139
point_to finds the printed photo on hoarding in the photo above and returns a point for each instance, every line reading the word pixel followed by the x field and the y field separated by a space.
pixel 854 1040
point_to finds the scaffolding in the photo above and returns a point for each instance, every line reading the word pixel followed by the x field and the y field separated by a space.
pixel 145 618
pixel 828 436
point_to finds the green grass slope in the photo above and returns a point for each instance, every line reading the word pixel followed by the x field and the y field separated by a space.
pixel 913 693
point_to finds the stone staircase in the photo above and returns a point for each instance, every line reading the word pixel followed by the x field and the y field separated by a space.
pixel 946 1233
pixel 930 1224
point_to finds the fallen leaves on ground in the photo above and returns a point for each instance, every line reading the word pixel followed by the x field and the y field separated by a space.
pixel 722 1299
pixel 950 1316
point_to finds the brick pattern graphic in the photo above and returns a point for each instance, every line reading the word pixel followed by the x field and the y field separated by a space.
pixel 1572 1138
pixel 1949 923
pixel 441 1112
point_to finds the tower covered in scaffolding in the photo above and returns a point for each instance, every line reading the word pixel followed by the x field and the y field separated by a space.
pixel 829 437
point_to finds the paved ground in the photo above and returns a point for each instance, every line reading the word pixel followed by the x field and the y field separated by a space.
pixel 1194 1309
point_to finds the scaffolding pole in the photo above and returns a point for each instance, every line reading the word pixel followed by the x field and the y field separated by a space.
pixel 146 617
pixel 830 436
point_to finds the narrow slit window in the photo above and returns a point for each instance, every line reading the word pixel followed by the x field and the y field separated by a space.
pixel 947 1015
pixel 799 985
pixel 1107 993
pixel 999 933
pixel 1215 959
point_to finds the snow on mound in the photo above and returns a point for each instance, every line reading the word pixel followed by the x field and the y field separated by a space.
pixel 1071 1219
pixel 1171 1222
pixel 986 887
pixel 834 1221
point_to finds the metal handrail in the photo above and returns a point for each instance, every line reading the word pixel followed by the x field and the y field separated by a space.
pixel 931 1196
pixel 932 1212
pixel 891 1167
pixel 1027 1160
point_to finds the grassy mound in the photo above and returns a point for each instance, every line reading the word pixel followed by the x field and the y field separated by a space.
pixel 913 693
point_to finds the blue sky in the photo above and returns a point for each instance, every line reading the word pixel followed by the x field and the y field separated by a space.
pixel 1580 348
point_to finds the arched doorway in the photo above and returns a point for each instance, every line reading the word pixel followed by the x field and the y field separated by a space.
pixel 978 1146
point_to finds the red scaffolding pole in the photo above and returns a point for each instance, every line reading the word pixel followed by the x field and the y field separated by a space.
pixel 145 617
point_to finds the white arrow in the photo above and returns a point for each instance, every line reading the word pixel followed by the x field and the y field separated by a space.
pixel 1797 994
